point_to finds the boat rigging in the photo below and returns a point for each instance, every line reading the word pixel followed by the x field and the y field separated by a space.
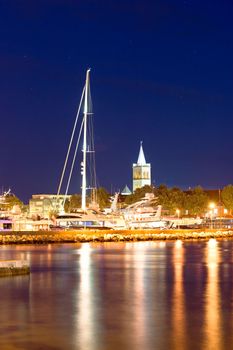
pixel 88 171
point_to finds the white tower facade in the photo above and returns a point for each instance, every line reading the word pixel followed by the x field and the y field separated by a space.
pixel 141 171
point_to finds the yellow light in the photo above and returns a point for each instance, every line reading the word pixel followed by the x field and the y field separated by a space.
pixel 177 211
pixel 211 205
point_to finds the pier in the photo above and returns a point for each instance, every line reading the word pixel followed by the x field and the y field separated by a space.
pixel 14 267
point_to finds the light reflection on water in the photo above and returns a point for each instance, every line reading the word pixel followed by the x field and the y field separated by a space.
pixel 212 297
pixel 86 302
pixel 178 309
pixel 148 295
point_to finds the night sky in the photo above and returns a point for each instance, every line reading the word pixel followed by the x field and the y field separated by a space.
pixel 161 72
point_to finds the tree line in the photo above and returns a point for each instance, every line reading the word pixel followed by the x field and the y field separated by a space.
pixel 193 202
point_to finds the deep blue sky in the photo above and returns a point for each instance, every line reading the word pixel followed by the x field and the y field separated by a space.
pixel 162 72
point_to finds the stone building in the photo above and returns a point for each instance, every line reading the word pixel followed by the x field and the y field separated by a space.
pixel 141 171
pixel 43 205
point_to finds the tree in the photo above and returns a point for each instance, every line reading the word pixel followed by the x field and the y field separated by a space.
pixel 73 203
pixel 227 197
pixel 170 198
pixel 103 197
pixel 196 201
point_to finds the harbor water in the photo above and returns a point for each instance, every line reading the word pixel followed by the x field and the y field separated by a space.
pixel 111 296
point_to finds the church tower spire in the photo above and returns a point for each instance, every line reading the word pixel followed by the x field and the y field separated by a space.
pixel 141 157
pixel 141 171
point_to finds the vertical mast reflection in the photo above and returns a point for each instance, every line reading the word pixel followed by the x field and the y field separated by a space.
pixel 212 317
pixel 85 314
pixel 139 257
pixel 178 314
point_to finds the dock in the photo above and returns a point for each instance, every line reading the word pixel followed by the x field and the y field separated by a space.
pixel 14 267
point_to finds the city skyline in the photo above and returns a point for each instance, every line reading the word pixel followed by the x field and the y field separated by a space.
pixel 161 73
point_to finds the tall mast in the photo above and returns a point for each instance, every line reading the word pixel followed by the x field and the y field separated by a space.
pixel 84 162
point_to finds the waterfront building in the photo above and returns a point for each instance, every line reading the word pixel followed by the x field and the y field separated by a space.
pixel 141 171
pixel 43 205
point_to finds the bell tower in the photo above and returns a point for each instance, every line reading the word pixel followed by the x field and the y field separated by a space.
pixel 141 171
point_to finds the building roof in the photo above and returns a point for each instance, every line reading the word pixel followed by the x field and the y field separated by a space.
pixel 126 191
pixel 141 157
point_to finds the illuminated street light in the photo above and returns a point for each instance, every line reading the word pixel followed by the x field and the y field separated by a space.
pixel 211 206
pixel 178 215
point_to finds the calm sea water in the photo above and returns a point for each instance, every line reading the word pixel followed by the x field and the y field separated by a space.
pixel 137 296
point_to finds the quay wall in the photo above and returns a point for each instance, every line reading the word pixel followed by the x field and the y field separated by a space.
pixel 44 237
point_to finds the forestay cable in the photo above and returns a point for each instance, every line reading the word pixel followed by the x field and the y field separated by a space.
pixel 70 144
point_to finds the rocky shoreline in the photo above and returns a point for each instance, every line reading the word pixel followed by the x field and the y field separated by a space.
pixel 45 237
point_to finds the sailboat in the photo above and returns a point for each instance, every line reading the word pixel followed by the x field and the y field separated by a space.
pixel 86 216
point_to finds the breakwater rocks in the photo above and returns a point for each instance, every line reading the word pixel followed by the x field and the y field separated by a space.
pixel 14 267
pixel 44 237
